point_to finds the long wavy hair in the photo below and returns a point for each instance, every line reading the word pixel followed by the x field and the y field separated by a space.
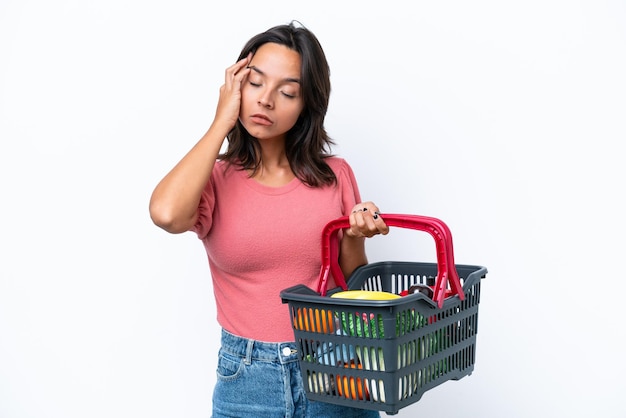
pixel 307 142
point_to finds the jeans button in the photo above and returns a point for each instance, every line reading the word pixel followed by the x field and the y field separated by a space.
pixel 286 351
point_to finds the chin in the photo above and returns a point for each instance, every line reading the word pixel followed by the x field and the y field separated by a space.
pixel 264 135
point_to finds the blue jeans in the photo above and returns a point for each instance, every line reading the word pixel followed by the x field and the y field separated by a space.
pixel 259 379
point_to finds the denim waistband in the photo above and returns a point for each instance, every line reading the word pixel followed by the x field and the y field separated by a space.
pixel 249 349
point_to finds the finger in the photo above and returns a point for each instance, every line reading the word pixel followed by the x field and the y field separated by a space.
pixel 365 218
pixel 232 70
pixel 356 224
pixel 362 223
pixel 244 70
pixel 380 224
pixel 371 227
pixel 238 68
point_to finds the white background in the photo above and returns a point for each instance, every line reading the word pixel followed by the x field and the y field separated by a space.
pixel 505 119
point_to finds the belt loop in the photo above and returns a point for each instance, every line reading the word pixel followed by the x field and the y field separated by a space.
pixel 249 347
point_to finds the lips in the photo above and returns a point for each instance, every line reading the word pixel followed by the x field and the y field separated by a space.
pixel 261 119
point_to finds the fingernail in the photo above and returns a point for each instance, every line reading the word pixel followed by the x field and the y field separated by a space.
pixel 375 216
pixel 364 209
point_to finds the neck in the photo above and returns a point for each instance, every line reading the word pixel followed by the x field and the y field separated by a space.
pixel 274 169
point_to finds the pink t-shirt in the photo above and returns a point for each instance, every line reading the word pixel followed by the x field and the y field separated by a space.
pixel 261 240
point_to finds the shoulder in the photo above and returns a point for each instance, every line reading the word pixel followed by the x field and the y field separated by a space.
pixel 343 171
pixel 221 167
pixel 337 164
pixel 224 174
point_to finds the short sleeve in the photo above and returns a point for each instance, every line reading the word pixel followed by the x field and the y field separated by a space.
pixel 205 211
pixel 346 180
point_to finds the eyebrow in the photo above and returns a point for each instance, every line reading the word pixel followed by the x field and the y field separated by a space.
pixel 288 79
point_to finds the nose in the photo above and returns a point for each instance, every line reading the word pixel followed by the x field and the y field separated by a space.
pixel 265 100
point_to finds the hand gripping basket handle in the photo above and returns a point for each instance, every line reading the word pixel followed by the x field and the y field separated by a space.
pixel 446 269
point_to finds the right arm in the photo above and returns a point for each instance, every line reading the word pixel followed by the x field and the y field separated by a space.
pixel 174 201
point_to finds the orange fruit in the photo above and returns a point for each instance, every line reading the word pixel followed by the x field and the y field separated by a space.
pixel 317 320
pixel 351 386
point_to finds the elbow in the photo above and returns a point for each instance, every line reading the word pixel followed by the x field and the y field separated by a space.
pixel 165 218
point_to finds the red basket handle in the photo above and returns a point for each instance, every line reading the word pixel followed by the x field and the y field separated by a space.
pixel 446 269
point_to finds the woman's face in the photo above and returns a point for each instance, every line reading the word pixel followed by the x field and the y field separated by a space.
pixel 271 99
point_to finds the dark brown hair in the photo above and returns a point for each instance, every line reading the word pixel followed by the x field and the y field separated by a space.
pixel 307 143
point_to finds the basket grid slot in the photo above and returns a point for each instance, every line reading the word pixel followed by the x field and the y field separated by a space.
pixel 314 320
pixel 371 358
pixel 344 386
pixel 373 283
pixel 408 321
pixel 319 382
pixel 361 324
pixel 376 387
pixel 402 282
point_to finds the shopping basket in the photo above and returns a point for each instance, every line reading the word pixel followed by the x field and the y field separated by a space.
pixel 385 354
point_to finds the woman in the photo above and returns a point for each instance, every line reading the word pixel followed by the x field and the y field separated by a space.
pixel 259 209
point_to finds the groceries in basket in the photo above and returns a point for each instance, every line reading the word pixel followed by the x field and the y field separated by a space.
pixel 362 324
pixel 365 294
pixel 393 331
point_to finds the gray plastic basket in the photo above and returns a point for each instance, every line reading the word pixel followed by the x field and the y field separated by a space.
pixel 385 354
